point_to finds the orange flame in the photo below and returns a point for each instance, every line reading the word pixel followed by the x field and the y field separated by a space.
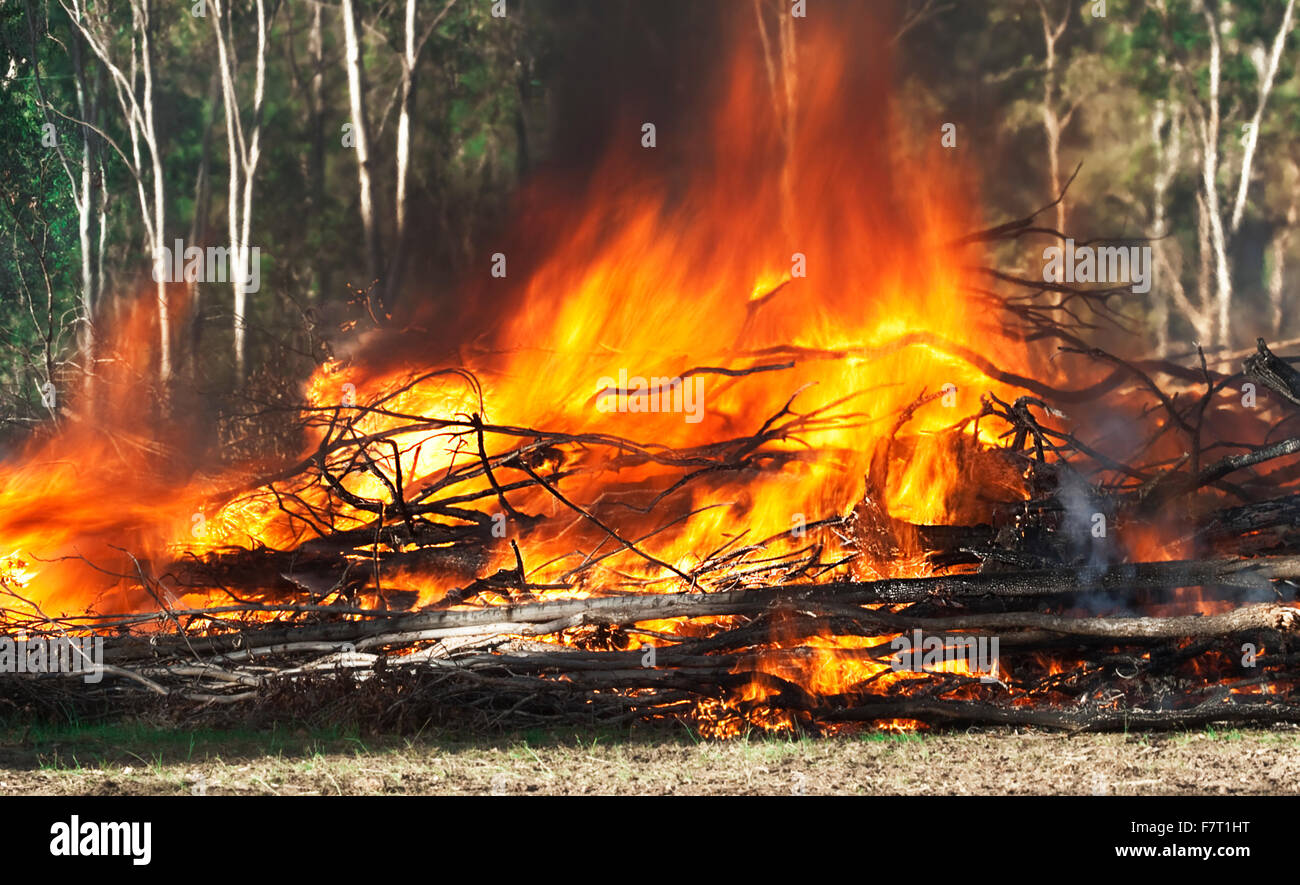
pixel 815 271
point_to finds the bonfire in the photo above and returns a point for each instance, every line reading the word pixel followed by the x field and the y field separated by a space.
pixel 768 442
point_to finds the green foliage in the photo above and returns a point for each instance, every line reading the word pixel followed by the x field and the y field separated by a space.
pixel 38 228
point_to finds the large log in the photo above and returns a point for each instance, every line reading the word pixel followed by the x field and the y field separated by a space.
pixel 1247 575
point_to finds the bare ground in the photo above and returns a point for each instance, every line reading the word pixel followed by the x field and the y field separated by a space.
pixel 138 759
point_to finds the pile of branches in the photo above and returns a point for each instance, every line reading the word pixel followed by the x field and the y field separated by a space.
pixel 1088 638
pixel 1129 671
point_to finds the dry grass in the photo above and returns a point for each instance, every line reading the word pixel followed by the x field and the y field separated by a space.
pixel 138 759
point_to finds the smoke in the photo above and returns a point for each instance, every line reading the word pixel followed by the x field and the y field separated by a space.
pixel 618 65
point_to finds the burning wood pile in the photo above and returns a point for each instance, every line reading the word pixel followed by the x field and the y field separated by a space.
pixel 1014 621
pixel 769 457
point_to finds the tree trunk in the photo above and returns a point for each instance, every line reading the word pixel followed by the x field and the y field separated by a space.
pixel 1251 140
pixel 396 267
pixel 316 174
pixel 244 150
pixel 361 137
pixel 1277 255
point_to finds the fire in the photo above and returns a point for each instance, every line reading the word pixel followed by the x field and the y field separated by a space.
pixel 838 293
pixel 805 283
pixel 87 507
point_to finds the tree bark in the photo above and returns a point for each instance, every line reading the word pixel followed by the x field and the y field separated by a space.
pixel 361 137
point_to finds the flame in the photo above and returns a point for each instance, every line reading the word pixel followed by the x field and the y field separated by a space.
pixel 87 507
pixel 844 272
pixel 808 280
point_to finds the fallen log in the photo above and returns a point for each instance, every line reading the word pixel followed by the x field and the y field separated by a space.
pixel 533 619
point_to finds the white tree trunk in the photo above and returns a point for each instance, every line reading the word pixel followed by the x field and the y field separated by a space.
pixel 361 135
pixel 244 150
pixel 1251 141
pixel 138 113
pixel 1210 126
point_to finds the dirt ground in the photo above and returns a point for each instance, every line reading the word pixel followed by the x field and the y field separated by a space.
pixel 137 759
